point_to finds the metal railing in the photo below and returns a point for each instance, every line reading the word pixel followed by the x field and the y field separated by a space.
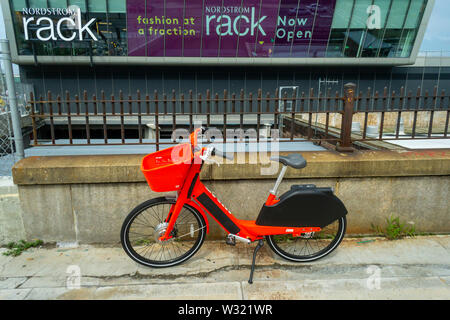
pixel 434 53
pixel 324 117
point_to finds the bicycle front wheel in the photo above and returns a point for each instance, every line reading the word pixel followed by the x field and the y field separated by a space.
pixel 146 223
pixel 309 246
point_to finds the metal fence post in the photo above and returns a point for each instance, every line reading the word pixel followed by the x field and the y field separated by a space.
pixel 5 57
pixel 347 117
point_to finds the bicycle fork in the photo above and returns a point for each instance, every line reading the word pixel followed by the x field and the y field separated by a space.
pixel 171 219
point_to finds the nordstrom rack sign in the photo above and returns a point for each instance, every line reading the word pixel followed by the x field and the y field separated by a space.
pixel 49 24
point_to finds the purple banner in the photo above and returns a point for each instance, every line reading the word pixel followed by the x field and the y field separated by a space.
pixel 231 28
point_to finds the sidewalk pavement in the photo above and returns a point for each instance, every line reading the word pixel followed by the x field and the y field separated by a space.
pixel 370 268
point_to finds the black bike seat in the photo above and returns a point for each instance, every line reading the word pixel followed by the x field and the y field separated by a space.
pixel 294 160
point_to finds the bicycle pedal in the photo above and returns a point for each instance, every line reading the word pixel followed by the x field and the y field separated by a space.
pixel 230 240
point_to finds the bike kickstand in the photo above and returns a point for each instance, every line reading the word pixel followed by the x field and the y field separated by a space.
pixel 260 244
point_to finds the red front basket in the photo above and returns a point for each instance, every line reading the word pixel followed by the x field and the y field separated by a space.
pixel 167 169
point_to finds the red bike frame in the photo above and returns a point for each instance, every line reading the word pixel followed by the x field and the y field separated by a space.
pixel 195 194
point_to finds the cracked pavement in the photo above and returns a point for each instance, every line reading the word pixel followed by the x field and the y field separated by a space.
pixel 412 268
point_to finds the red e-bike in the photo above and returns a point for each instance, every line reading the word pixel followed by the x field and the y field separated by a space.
pixel 304 224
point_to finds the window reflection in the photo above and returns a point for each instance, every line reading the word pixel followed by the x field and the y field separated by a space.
pixel 117 28
pixel 339 27
pixel 109 28
pixel 97 10
pixel 393 34
pixel 412 23
pixel 336 43
pixel 373 41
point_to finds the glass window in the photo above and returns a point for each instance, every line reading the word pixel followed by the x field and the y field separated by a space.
pixel 342 14
pixel 117 6
pixel 19 5
pixel 350 36
pixel 60 47
pixel 374 37
pixel 97 6
pixel 336 42
pixel 359 17
pixel 339 27
pixel 358 26
pixel 372 42
pixel 394 33
pixel 390 42
pixel 384 8
pixel 321 29
pixel 173 45
pixel 354 39
pixel 406 43
pixel 398 14
pixel 80 47
pixel 394 28
pixel 411 26
pixel 414 14
pixel 117 28
pixel 57 3
pixel 24 47
pixel 97 9
pixel 38 3
pixel 79 3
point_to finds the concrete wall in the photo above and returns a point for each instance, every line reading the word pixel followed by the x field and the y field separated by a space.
pixel 86 198
pixel 11 224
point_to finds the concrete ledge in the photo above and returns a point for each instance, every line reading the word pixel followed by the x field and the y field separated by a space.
pixel 323 164
pixel 77 169
pixel 85 199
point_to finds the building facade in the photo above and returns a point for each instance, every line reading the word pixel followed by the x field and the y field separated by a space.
pixel 182 45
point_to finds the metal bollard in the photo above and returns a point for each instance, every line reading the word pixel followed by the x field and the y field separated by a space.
pixel 347 117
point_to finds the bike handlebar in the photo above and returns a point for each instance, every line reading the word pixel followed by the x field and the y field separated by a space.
pixel 214 151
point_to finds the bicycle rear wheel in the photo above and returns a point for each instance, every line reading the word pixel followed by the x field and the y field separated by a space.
pixel 309 246
pixel 145 224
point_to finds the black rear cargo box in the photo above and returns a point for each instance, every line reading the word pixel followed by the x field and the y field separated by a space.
pixel 303 206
